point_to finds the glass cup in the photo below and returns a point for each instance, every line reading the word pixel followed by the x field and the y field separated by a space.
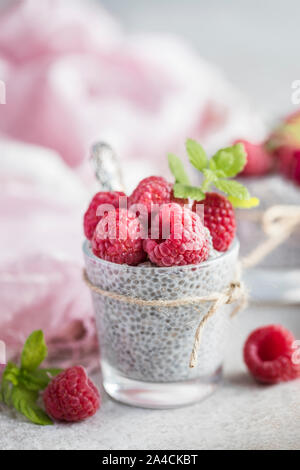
pixel 276 277
pixel 145 350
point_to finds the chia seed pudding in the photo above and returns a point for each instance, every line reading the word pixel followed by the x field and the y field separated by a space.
pixel 153 344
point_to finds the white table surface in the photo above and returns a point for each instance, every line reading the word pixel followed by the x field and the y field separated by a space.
pixel 240 415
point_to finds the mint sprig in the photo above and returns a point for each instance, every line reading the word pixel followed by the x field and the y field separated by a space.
pixel 217 171
pixel 34 351
pixel 177 169
pixel 21 386
pixel 24 401
pixel 196 154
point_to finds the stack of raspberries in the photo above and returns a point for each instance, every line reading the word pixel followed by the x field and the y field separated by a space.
pixel 167 232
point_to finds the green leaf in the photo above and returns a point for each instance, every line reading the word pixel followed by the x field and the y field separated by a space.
pixel 209 178
pixel 34 351
pixel 196 154
pixel 233 188
pixel 177 169
pixel 186 191
pixel 24 401
pixel 11 373
pixel 6 387
pixel 10 377
pixel 231 160
pixel 244 204
pixel 37 379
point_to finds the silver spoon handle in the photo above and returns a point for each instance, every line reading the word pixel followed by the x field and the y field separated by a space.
pixel 107 168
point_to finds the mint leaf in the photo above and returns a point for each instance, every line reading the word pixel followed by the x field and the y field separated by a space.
pixel 11 373
pixel 209 178
pixel 177 169
pixel 230 160
pixel 24 401
pixel 185 191
pixel 233 188
pixel 37 379
pixel 196 154
pixel 10 377
pixel 6 387
pixel 34 351
pixel 244 204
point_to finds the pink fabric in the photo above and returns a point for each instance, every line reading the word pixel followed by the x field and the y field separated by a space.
pixel 41 285
pixel 72 76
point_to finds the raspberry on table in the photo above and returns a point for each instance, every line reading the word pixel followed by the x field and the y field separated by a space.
pixel 154 190
pixel 181 237
pixel 219 218
pixel 259 160
pixel 118 238
pixel 71 396
pixel 91 218
pixel 268 354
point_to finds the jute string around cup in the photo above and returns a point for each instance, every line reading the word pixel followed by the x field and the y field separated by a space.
pixel 278 223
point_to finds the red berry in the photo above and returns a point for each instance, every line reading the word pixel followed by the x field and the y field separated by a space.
pixel 181 237
pixel 154 190
pixel 259 161
pixel 219 218
pixel 118 238
pixel 91 218
pixel 285 157
pixel 284 143
pixel 71 396
pixel 295 170
pixel 268 354
pixel 288 160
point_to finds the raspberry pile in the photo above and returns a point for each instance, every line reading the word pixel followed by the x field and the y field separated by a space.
pixel 71 396
pixel 280 152
pixel 136 234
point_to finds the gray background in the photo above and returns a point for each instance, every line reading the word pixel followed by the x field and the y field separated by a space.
pixel 255 42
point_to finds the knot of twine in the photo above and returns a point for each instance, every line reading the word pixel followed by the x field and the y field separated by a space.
pixel 278 223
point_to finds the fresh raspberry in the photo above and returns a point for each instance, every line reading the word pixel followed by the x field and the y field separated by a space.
pixel 284 144
pixel 268 354
pixel 286 159
pixel 118 238
pixel 219 218
pixel 90 219
pixel 71 396
pixel 154 190
pixel 295 167
pixel 181 237
pixel 259 160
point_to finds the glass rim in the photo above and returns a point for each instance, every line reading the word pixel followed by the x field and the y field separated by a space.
pixel 233 248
